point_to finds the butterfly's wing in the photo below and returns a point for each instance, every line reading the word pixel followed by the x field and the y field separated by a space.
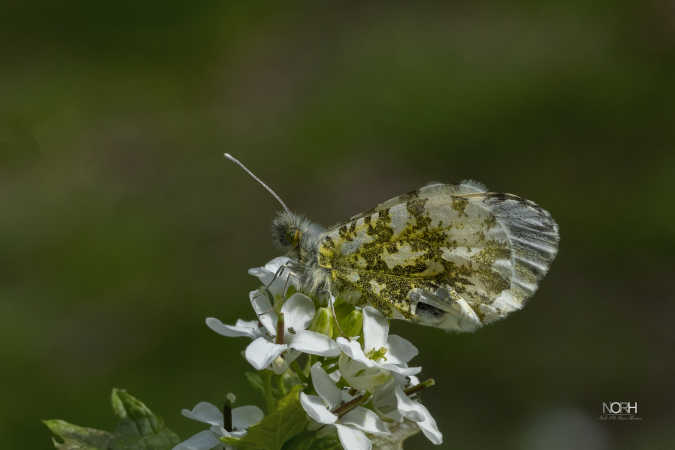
pixel 450 256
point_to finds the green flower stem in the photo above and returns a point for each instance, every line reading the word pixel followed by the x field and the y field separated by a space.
pixel 295 367
pixel 270 403
pixel 227 412
pixel 353 403
pixel 419 387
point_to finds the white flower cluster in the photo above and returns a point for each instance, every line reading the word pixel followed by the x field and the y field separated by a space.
pixel 358 385
pixel 242 418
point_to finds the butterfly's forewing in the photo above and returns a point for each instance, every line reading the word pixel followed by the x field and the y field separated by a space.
pixel 452 256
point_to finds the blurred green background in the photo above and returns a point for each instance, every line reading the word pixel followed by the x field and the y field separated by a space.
pixel 122 226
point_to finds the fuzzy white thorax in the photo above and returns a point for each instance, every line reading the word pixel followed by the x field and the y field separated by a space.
pixel 299 238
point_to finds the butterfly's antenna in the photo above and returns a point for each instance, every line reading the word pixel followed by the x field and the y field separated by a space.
pixel 269 189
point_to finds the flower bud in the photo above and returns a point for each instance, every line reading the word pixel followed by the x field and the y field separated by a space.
pixel 352 323
pixel 322 322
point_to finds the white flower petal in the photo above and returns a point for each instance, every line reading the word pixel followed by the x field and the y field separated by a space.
pixel 325 387
pixel 353 349
pixel 394 415
pixel 205 412
pixel 353 439
pixel 236 434
pixel 406 371
pixel 260 353
pixel 409 408
pixel 222 432
pixel 315 408
pixel 204 440
pixel 335 375
pixel 346 396
pixel 291 355
pixel 298 312
pixel 375 329
pixel 266 273
pixel 246 416
pixel 360 376
pixel 242 328
pixel 400 349
pixel 383 398
pixel 314 343
pixel 262 274
pixel 365 420
pixel 401 380
pixel 260 302
pixel 429 427
pixel 219 431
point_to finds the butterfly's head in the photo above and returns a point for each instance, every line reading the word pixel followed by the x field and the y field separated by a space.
pixel 286 230
pixel 294 234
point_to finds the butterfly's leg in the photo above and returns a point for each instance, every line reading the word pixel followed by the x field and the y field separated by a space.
pixel 286 285
pixel 280 273
pixel 277 274
pixel 331 303
pixel 291 274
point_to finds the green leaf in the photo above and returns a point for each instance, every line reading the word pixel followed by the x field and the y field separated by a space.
pixel 77 438
pixel 138 429
pixel 309 441
pixel 256 382
pixel 285 422
pixel 326 443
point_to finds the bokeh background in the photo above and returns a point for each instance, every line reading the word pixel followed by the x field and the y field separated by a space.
pixel 122 226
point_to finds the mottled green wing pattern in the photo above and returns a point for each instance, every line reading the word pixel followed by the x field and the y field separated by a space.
pixel 451 256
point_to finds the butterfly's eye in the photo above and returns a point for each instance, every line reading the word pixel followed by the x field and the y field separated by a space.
pixel 292 238
pixel 285 234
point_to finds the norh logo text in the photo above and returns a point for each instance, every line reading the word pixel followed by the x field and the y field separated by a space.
pixel 620 411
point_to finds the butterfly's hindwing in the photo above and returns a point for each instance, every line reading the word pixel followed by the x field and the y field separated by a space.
pixel 448 256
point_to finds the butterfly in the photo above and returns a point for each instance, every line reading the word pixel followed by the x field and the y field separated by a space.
pixel 455 257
